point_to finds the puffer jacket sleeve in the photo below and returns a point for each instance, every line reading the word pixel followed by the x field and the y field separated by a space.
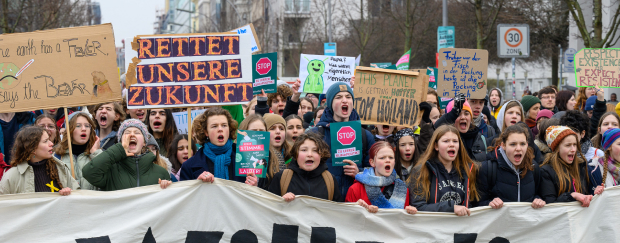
pixel 447 118
pixel 421 204
pixel 97 172
pixel 548 192
pixel 274 186
pixel 483 186
pixel 291 107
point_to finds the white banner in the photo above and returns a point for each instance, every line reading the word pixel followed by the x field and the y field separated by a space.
pixel 227 211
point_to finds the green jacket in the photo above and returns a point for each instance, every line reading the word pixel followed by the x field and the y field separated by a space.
pixel 78 163
pixel 113 170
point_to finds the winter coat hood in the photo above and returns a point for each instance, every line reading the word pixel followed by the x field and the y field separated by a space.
pixel 500 116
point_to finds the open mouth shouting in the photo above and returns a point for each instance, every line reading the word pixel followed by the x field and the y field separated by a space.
pixel 518 157
pixel 512 122
pixel 83 136
pixel 345 109
pixel 277 139
pixel 463 125
pixel 309 162
pixel 140 114
pixel 133 144
pixel 220 138
pixel 103 120
pixel 294 137
pixel 408 156
pixel 51 151
pixel 157 125
pixel 452 153
pixel 570 157
pixel 388 168
pixel 385 129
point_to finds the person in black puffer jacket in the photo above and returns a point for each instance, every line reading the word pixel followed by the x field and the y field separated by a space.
pixel 509 174
pixel 309 172
pixel 444 178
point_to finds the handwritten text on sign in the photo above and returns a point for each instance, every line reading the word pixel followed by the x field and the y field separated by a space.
pixel 193 70
pixel 598 67
pixel 463 71
pixel 58 68
pixel 318 73
pixel 389 97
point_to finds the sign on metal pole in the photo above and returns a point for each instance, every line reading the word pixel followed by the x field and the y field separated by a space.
pixel 513 40
pixel 329 49
pixel 445 37
pixel 569 60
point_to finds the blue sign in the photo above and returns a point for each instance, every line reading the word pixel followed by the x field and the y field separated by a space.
pixel 445 37
pixel 329 49
pixel 568 60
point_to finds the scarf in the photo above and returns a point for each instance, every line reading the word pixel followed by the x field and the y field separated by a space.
pixel 281 162
pixel 220 155
pixel 373 185
pixel 478 120
pixel 613 167
pixel 530 122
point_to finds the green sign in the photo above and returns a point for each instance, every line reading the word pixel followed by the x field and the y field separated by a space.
pixel 252 153
pixel 432 77
pixel 403 62
pixel 443 102
pixel 346 142
pixel 265 72
pixel 380 64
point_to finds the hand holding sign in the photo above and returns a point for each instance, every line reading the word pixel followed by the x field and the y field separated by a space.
pixel 350 169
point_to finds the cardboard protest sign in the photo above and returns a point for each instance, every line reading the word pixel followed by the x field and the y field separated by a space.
pixel 249 30
pixel 189 70
pixel 432 77
pixel 463 71
pixel 597 67
pixel 252 153
pixel 265 72
pixel 318 72
pixel 180 119
pixel 58 68
pixel 346 142
pixel 389 97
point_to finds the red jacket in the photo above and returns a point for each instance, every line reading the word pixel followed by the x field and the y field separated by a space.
pixel 358 191
pixel 3 166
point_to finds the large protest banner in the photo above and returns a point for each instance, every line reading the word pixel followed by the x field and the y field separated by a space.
pixel 228 211
pixel 58 68
pixel 189 70
pixel 389 97
pixel 463 71
pixel 597 67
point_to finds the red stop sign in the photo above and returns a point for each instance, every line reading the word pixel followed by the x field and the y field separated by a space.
pixel 263 66
pixel 346 135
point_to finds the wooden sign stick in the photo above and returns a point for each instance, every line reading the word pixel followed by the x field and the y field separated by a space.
pixel 189 131
pixel 68 135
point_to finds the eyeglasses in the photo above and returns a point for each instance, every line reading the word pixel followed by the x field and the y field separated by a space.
pixel 50 127
pixel 87 126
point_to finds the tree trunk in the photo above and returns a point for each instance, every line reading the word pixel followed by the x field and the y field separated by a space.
pixel 479 27
pixel 554 65
pixel 597 24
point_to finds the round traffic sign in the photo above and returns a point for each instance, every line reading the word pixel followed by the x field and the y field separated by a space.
pixel 263 66
pixel 346 135
pixel 513 37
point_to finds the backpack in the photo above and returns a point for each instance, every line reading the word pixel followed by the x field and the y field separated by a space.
pixel 364 139
pixel 287 175
pixel 492 172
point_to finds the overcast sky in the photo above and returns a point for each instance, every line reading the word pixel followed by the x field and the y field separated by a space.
pixel 130 17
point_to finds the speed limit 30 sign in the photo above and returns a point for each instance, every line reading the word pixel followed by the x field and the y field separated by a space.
pixel 513 40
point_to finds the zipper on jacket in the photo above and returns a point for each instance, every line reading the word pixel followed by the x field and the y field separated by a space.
pixel 138 172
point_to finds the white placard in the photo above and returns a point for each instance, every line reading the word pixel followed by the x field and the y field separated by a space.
pixel 318 72
pixel 513 40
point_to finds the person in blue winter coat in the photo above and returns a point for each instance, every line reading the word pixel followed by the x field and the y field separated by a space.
pixel 340 103
pixel 510 174
pixel 216 132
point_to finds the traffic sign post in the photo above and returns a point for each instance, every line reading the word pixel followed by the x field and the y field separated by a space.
pixel 329 49
pixel 513 41
pixel 445 37
pixel 569 60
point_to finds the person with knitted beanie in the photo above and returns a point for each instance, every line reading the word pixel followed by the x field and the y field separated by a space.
pixel 128 163
pixel 564 175
pixel 459 114
pixel 531 107
pixel 606 169
pixel 340 103
pixel 379 186
pixel 216 131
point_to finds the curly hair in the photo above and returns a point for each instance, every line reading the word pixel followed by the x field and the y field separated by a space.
pixel 56 138
pixel 284 91
pixel 118 109
pixel 317 139
pixel 200 125
pixel 26 143
pixel 581 99
pixel 63 148
pixel 576 120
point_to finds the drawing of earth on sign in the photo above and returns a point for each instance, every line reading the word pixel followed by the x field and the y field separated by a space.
pixel 9 74
pixel 314 81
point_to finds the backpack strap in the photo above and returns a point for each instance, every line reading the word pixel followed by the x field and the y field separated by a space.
pixel 287 175
pixel 329 182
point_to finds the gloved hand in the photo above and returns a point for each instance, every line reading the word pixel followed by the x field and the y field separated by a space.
pixel 459 101
pixel 426 108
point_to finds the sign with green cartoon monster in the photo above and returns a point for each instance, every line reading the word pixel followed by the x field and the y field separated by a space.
pixel 318 72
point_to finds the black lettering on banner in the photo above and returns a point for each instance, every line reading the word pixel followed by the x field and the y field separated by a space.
pixel 244 236
pixel 101 239
pixel 283 233
pixel 387 107
pixel 380 111
pixel 323 235
pixel 465 238
pixel 369 104
pixel 400 111
pixel 414 113
pixel 394 104
pixel 203 237
pixel 148 237
pixel 499 240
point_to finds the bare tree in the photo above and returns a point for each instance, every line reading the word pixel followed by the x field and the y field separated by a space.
pixel 594 38
pixel 31 15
